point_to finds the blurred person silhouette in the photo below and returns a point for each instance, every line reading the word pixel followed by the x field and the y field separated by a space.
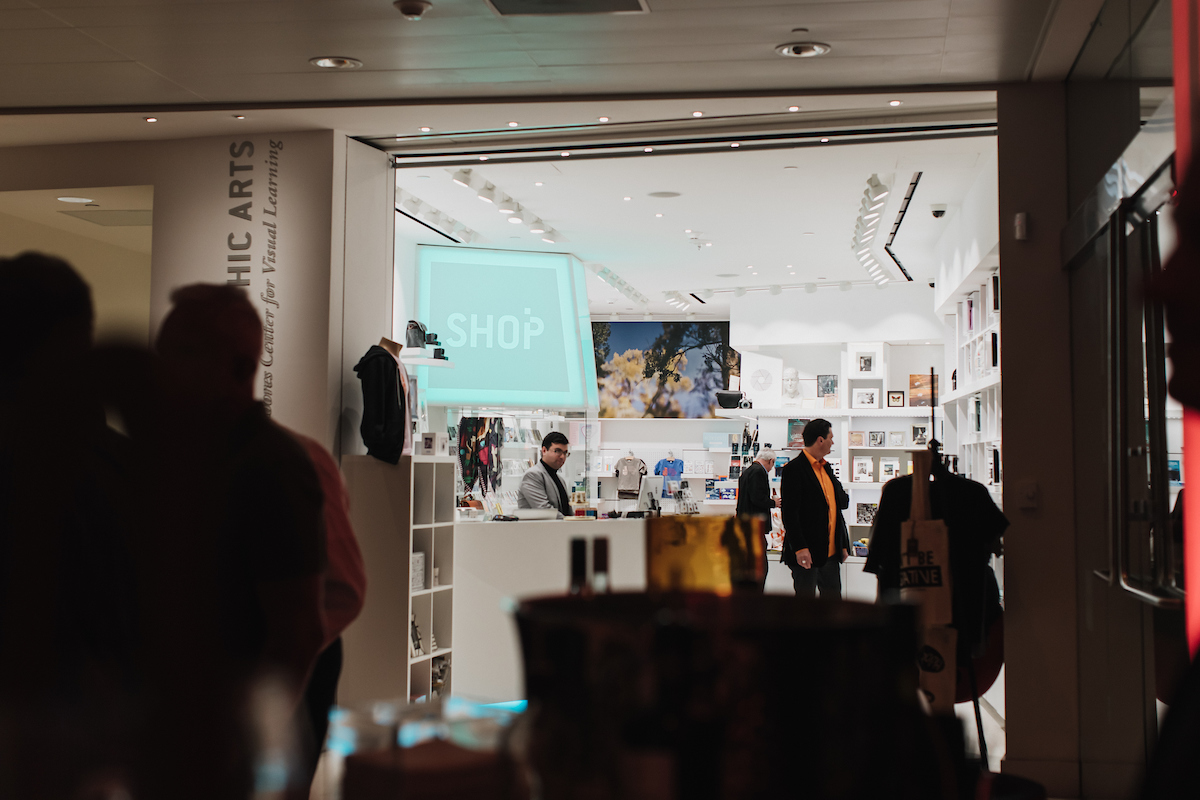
pixel 345 592
pixel 68 618
pixel 242 505
pixel 1170 772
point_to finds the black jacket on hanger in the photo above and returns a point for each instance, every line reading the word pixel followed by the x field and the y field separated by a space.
pixel 385 412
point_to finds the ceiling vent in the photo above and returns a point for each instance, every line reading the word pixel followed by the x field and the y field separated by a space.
pixel 114 219
pixel 515 8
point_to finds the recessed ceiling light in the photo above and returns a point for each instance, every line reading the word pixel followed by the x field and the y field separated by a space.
pixel 789 266
pixel 894 103
pixel 70 199
pixel 648 149
pixel 803 49
pixel 628 198
pixel 687 230
pixel 697 113
pixel 658 215
pixel 565 153
pixel 708 244
pixel 151 119
pixel 753 273
pixel 335 62
pixel 513 124
pixel 239 116
pixel 825 139
pixel 425 129
pixel 483 158
pixel 734 144
pixel 749 266
pixel 537 183
pixel 602 119
pixel 793 108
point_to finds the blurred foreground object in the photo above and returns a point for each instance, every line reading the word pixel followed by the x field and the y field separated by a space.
pixel 705 554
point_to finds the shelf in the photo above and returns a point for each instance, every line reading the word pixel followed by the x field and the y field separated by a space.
pixel 435 459
pixel 719 502
pixel 914 449
pixel 866 485
pixel 427 362
pixel 959 394
pixel 813 413
pixel 434 589
pixel 428 656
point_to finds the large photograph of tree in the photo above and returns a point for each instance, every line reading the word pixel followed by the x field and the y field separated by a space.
pixel 662 369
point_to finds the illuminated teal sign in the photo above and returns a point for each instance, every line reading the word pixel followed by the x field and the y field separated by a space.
pixel 516 325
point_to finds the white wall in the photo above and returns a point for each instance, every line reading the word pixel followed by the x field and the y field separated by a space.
pixel 971 235
pixel 119 277
pixel 193 229
pixel 901 312
pixel 369 224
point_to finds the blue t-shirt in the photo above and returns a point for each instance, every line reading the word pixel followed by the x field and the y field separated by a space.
pixel 670 470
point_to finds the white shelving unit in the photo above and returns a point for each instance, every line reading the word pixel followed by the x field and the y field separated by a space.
pixel 398 510
pixel 973 410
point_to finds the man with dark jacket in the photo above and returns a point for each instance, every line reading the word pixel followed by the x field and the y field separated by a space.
pixel 815 540
pixel 754 486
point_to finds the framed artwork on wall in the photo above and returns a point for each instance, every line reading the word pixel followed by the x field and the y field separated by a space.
pixel 895 400
pixel 920 435
pixel 895 438
pixel 875 438
pixel 857 439
pixel 864 470
pixel 865 398
pixel 921 390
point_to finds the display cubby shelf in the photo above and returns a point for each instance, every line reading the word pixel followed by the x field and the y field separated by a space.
pixel 397 511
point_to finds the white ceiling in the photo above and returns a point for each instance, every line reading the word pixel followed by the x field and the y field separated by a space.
pixel 754 209
pixel 147 53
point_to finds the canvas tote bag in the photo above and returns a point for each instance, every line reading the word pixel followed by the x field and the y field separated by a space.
pixel 925 581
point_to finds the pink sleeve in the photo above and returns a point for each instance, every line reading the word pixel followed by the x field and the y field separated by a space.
pixel 346 578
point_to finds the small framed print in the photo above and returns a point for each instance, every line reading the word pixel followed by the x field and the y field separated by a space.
pixel 857 439
pixel 866 363
pixel 865 398
pixel 920 435
pixel 895 438
pixel 864 470
pixel 895 400
pixel 831 401
pixel 875 438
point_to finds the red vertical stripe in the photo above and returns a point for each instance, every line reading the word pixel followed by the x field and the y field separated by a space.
pixel 1185 15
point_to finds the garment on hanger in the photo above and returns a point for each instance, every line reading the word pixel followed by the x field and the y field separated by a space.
pixel 479 441
pixel 670 470
pixel 386 427
pixel 629 472
pixel 974 523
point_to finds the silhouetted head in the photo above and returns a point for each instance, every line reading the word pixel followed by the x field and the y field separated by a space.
pixel 210 344
pixel 45 312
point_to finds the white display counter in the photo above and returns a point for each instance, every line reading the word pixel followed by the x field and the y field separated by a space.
pixel 499 563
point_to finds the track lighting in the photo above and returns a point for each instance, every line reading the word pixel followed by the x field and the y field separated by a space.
pixel 876 189
pixel 488 193
pixel 506 206
pixel 462 178
pixel 551 237
pixel 537 226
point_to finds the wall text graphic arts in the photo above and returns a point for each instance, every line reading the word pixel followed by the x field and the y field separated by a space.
pixel 241 259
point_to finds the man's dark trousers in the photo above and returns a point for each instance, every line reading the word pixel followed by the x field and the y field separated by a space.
pixel 828 578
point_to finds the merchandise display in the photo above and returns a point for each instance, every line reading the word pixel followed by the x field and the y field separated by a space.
pixel 671 469
pixel 864 469
pixel 386 429
pixel 629 471
pixel 479 441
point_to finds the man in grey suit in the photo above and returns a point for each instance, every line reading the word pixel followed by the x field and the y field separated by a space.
pixel 541 487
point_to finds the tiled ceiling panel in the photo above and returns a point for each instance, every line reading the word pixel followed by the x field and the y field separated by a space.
pixel 146 52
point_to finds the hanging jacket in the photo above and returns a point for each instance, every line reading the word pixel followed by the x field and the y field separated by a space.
pixel 385 407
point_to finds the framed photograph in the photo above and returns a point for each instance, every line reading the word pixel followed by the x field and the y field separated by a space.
pixel 876 438
pixel 865 513
pixel 895 439
pixel 895 400
pixel 831 401
pixel 795 433
pixel 865 398
pixel 866 363
pixel 826 385
pixel 864 470
pixel 857 439
pixel 888 468
pixel 920 435
pixel 921 391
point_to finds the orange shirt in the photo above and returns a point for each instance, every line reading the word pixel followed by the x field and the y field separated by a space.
pixel 827 488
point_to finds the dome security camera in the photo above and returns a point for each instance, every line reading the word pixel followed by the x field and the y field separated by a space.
pixel 938 210
pixel 932 285
pixel 413 9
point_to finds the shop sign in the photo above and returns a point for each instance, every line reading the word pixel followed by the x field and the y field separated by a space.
pixel 516 326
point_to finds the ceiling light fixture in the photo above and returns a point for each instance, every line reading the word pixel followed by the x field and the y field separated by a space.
pixel 488 193
pixel 793 108
pixel 518 217
pixel 565 153
pixel 425 129
pixel 537 183
pixel 513 124
pixel 537 226
pixel 697 113
pixel 627 198
pixel 708 244
pixel 506 206
pixel 151 119
pixel 462 178
pixel 483 158
pixel 734 144
pixel 602 119
pixel 335 62
pixel 551 237
pixel 72 199
pixel 239 116
pixel 825 139
pixel 648 149
pixel 803 49
pixel 894 103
